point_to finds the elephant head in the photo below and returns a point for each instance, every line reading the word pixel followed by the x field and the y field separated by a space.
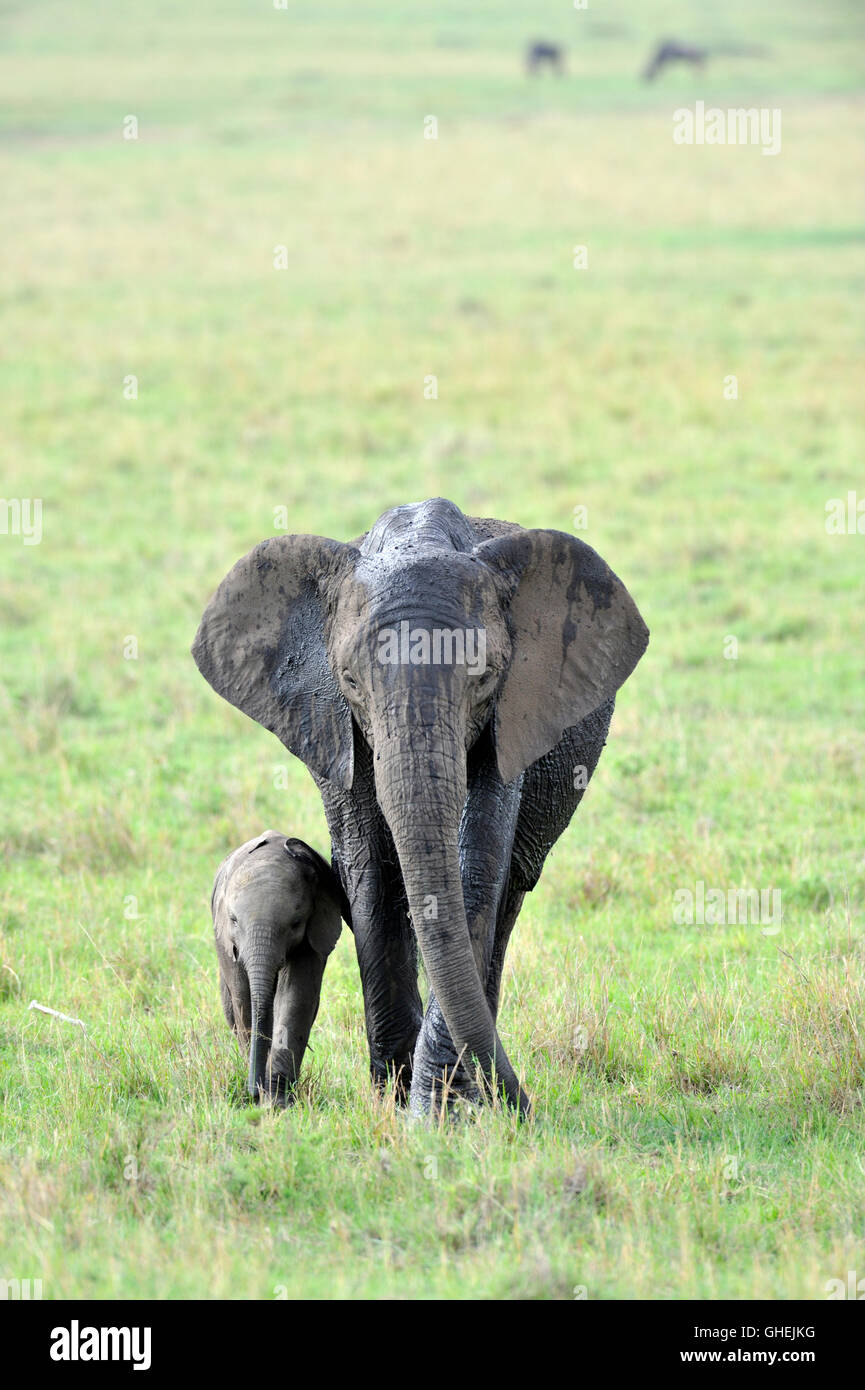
pixel 423 635
pixel 276 916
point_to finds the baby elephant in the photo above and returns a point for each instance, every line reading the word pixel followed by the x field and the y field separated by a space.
pixel 276 916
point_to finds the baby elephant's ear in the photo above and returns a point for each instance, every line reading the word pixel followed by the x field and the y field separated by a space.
pixel 325 926
pixel 331 904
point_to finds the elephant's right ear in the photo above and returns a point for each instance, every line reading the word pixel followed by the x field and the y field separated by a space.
pixel 261 646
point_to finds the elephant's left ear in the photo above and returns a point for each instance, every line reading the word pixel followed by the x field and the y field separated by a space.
pixel 577 636
pixel 261 646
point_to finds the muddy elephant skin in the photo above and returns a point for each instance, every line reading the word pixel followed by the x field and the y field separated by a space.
pixel 449 682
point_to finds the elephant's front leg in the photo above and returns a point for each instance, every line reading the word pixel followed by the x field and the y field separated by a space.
pixel 366 862
pixel 387 958
pixel 486 837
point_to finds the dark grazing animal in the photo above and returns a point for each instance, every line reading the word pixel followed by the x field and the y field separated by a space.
pixel 671 51
pixel 545 55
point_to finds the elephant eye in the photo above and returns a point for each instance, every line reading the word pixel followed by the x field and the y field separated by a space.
pixel 349 680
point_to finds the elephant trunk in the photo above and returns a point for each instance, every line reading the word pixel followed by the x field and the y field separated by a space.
pixel 261 989
pixel 421 788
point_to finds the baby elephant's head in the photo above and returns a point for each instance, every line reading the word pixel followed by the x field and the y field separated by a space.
pixel 276 918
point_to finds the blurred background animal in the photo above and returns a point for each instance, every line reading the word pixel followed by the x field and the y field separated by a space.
pixel 276 910
pixel 545 55
pixel 670 51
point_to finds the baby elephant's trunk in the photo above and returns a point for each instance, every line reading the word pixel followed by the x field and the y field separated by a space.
pixel 261 989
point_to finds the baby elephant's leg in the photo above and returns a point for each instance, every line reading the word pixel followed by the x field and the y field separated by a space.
pixel 295 1006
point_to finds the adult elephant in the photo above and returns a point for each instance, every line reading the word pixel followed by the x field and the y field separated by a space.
pixel 445 781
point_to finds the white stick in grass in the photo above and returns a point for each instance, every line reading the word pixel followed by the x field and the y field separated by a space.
pixel 44 1009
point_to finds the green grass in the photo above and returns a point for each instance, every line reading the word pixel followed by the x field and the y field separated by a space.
pixel 698 1090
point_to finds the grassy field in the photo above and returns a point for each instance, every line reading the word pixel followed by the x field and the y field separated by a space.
pixel 699 1124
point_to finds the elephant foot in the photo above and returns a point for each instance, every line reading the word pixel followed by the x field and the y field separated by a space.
pixel 458 1094
pixel 446 1093
pixel 280 1094
pixel 272 1100
pixel 440 1081
pixel 443 1081
pixel 393 1069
